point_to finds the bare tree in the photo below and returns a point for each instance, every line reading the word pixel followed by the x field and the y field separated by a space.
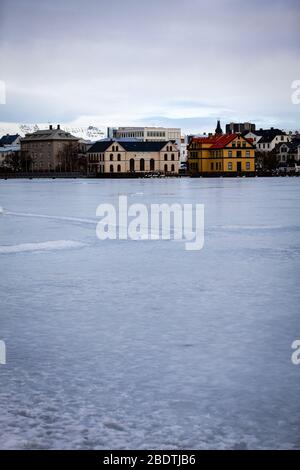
pixel 70 160
pixel 13 161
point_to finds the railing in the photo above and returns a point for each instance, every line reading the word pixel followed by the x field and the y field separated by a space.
pixel 43 174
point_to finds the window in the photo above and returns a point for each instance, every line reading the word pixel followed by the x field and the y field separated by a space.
pixel 248 153
pixel 172 157
pixel 111 168
pixel 131 164
pixel 211 166
pixel 233 144
pixel 152 164
pixel 229 166
pixel 117 148
pixel 111 157
pixel 119 157
pixel 142 164
pixel 119 168
pixel 166 157
pixel 173 167
pixel 247 165
pixel 238 153
pixel 166 168
pixel 230 153
pixel 113 149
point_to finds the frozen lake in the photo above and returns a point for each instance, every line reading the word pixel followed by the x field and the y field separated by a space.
pixel 141 344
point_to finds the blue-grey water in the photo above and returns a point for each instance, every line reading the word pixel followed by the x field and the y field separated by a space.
pixel 142 344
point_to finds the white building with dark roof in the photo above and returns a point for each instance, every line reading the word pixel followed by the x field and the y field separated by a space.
pixel 266 139
pixel 133 157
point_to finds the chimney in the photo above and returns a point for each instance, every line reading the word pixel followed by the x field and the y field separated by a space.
pixel 58 126
pixel 50 127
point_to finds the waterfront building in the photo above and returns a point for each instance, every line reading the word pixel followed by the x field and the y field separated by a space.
pixel 50 149
pixel 266 139
pixel 133 157
pixel 221 154
pixel 151 134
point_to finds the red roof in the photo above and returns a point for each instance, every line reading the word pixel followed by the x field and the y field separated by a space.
pixel 218 141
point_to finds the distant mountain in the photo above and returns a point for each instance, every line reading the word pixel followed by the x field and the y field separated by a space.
pixel 88 133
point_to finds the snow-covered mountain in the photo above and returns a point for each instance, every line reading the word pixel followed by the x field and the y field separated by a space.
pixel 88 133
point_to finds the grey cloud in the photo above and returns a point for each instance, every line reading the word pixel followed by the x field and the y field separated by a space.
pixel 73 58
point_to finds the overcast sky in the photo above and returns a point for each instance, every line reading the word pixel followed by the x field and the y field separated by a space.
pixel 122 62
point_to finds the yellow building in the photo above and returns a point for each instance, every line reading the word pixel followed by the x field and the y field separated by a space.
pixel 221 155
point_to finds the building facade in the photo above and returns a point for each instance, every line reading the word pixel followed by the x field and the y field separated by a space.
pixel 130 157
pixel 9 145
pixel 267 139
pixel 9 140
pixel 147 134
pixel 239 127
pixel 217 155
pixel 151 134
pixel 49 149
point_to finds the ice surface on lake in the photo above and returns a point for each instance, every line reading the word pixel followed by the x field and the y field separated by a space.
pixel 140 344
pixel 51 245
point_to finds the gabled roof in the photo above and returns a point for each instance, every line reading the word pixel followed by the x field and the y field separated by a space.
pixel 129 146
pixel 223 140
pixel 8 139
pixel 292 146
pixel 220 141
pixel 267 135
